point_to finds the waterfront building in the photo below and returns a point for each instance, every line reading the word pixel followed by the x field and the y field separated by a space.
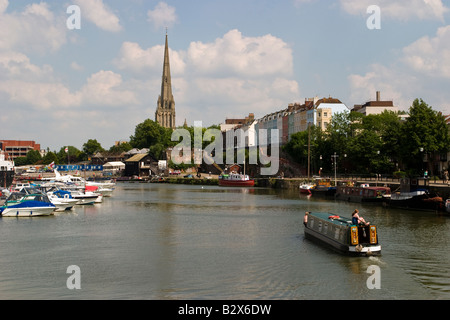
pixel 165 112
pixel 325 109
pixel 19 148
pixel 233 123
pixel 232 130
pixel 375 107
pixel 141 165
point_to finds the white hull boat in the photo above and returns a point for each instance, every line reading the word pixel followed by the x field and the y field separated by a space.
pixel 20 204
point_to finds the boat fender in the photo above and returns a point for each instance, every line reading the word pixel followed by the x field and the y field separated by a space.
pixel 359 248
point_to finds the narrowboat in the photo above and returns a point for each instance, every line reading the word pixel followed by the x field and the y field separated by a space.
pixel 340 234
pixel 362 193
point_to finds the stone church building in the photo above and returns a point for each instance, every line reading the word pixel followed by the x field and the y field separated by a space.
pixel 165 112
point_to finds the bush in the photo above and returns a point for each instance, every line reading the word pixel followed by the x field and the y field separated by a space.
pixel 399 174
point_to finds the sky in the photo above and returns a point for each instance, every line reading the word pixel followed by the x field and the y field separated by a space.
pixel 67 76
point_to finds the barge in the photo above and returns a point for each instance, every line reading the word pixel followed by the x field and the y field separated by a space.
pixel 235 180
pixel 340 234
pixel 362 193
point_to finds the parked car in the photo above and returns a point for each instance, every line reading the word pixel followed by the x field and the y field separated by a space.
pixel 189 176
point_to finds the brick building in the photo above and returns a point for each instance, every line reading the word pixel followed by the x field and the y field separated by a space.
pixel 18 148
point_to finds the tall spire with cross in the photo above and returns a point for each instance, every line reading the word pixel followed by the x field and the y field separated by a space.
pixel 165 112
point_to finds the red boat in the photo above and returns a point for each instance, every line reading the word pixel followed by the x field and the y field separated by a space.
pixel 235 180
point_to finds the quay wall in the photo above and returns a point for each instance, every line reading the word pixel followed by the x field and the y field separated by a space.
pixel 294 183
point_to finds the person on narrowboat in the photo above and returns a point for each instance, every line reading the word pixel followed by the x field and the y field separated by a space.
pixel 305 218
pixel 357 220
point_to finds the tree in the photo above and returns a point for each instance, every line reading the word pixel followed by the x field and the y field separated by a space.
pixel 149 133
pixel 423 135
pixel 72 155
pixel 33 156
pixel 91 147
pixel 297 147
pixel 122 147
pixel 49 158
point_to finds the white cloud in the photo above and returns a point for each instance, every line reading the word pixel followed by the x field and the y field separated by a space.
pixel 430 56
pixel 38 87
pixel 99 14
pixel 14 65
pixel 400 9
pixel 233 75
pixel 105 88
pixel 39 95
pixel 393 83
pixel 234 54
pixel 162 16
pixel 36 29
pixel 3 5
pixel 139 61
pixel 422 71
pixel 75 66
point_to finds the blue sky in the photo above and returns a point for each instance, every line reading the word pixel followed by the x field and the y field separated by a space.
pixel 228 59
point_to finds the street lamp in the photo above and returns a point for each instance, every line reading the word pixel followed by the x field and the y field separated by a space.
pixel 335 164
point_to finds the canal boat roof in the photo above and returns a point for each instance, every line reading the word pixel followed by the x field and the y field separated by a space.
pixel 332 218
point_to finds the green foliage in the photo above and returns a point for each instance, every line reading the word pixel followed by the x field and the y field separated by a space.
pixel 49 158
pixel 91 147
pixel 122 147
pixel 33 157
pixel 376 143
pixel 424 133
pixel 149 133
pixel 20 161
pixel 72 156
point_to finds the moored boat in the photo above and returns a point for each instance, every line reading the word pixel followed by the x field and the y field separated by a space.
pixel 340 234
pixel 305 188
pixel 323 188
pixel 6 171
pixel 62 200
pixel 235 180
pixel 362 193
pixel 416 200
pixel 414 195
pixel 21 204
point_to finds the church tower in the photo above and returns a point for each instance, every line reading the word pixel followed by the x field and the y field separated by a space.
pixel 165 112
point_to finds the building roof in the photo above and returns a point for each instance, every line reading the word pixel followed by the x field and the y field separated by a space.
pixel 447 119
pixel 137 157
pixel 114 163
pixel 327 100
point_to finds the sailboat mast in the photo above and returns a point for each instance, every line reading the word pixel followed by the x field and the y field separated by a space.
pixel 309 149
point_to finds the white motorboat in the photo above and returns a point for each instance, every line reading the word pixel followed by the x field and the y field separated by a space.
pixel 62 203
pixel 21 204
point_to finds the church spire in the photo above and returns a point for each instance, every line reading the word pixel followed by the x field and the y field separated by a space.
pixel 165 112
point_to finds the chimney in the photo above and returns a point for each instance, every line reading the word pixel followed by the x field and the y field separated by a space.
pixel 378 96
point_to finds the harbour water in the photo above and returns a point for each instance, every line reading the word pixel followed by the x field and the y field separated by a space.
pixel 161 241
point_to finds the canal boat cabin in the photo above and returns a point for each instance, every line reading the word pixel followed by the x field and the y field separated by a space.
pixel 362 193
pixel 340 234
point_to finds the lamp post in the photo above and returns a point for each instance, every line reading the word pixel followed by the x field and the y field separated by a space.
pixel 335 164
